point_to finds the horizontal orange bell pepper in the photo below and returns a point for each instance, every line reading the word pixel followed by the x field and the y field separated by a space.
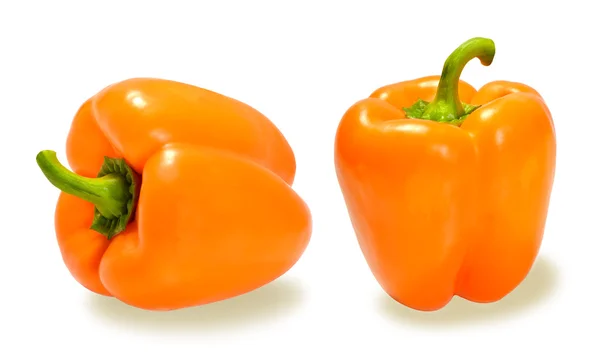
pixel 178 196
pixel 448 187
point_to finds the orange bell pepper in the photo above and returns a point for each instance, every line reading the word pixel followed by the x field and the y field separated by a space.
pixel 178 197
pixel 448 187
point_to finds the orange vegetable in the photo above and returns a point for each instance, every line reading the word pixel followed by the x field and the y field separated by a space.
pixel 178 197
pixel 448 187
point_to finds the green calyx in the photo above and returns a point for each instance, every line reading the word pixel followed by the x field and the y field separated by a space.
pixel 114 192
pixel 446 107
pixel 440 113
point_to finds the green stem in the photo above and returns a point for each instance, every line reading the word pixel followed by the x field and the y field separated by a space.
pixel 113 192
pixel 446 106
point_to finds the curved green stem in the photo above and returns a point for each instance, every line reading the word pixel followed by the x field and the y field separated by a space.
pixel 446 106
pixel 113 193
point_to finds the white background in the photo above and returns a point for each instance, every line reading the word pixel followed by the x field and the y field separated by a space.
pixel 302 64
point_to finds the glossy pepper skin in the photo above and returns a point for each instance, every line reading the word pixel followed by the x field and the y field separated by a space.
pixel 446 196
pixel 135 117
pixel 193 203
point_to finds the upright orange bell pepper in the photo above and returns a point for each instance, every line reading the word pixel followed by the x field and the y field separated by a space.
pixel 178 197
pixel 448 187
